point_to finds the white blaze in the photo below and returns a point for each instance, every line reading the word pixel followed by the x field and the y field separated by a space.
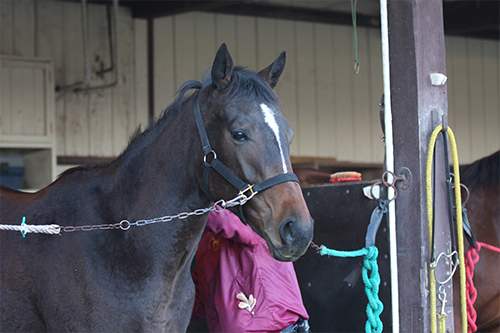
pixel 271 121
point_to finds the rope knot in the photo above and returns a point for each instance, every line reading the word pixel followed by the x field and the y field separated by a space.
pixel 372 253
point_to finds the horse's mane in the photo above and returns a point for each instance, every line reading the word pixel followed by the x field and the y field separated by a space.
pixel 245 84
pixel 483 172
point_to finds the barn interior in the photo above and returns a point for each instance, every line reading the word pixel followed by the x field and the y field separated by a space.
pixel 79 77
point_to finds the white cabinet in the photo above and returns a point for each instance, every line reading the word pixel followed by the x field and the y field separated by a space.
pixel 27 125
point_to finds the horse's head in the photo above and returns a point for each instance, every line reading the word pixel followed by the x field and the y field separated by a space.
pixel 250 136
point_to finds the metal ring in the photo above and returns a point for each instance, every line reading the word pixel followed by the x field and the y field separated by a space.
pixel 466 190
pixel 221 203
pixel 468 194
pixel 356 67
pixel 124 225
pixel 394 178
pixel 211 152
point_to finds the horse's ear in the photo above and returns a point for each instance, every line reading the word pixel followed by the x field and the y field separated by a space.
pixel 222 68
pixel 273 72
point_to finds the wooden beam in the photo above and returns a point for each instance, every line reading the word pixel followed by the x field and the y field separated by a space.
pixel 461 17
pixel 153 9
pixel 295 14
pixel 417 49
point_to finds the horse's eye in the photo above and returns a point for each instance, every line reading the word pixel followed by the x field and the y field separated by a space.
pixel 239 136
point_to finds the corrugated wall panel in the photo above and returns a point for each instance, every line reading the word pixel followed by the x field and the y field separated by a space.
pixel 306 136
pixel 324 60
pixel 287 86
pixel 184 50
pixel 343 90
pixel 246 41
pixel 6 27
pixel 473 96
pixel 334 112
pixel 476 96
pixel 491 67
pixel 100 120
pixel 141 73
pixel 76 137
pixel 364 108
pixel 204 42
pixel 164 64
pixel 124 114
pixel 24 28
pixel 50 45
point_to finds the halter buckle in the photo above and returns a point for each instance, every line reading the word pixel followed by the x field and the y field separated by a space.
pixel 245 198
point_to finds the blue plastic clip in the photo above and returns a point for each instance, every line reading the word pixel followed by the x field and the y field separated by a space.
pixel 23 224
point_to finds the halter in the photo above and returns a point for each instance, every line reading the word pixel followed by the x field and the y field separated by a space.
pixel 246 191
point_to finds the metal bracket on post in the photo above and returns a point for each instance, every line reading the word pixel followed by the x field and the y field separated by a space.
pixel 405 176
pixel 444 122
pixel 439 118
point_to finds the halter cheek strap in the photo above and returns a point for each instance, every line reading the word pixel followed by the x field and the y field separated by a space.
pixel 218 166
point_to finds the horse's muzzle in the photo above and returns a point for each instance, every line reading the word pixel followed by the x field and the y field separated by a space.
pixel 295 239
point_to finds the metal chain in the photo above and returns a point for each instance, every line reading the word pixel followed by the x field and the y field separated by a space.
pixel 240 199
pixel 55 229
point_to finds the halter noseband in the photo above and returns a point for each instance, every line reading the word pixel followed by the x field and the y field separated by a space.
pixel 218 166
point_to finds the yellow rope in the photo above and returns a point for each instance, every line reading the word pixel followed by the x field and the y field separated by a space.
pixel 460 235
pixel 460 238
pixel 442 323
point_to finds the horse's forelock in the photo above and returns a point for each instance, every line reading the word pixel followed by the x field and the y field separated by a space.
pixel 248 85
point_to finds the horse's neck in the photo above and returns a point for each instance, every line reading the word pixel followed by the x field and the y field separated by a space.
pixel 161 177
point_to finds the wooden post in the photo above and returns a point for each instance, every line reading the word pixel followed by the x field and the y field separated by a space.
pixel 417 49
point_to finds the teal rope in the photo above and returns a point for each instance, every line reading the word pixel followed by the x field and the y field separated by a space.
pixel 372 283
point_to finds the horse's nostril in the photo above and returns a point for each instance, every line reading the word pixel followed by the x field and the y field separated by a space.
pixel 286 232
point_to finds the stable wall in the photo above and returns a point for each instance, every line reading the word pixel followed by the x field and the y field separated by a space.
pixel 93 123
pixel 333 112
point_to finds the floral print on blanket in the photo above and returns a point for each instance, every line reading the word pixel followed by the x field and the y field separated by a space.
pixel 246 303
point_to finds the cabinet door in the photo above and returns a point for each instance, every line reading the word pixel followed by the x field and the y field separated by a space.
pixel 26 102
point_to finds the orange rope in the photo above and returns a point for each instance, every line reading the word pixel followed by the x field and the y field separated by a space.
pixel 471 258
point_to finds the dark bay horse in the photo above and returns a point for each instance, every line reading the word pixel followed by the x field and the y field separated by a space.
pixel 482 178
pixel 139 279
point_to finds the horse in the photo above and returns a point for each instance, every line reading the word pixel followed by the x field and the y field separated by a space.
pixel 482 178
pixel 131 270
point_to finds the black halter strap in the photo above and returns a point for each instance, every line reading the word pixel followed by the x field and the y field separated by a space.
pixel 218 166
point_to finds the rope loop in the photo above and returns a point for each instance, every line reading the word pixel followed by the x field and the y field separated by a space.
pixel 459 222
pixel 371 278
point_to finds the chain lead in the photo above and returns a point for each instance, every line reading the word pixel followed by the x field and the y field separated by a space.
pixel 218 206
